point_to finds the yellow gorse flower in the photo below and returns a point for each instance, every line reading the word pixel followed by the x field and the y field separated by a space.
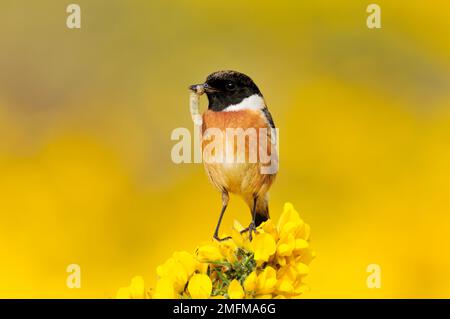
pixel 272 265
pixel 263 246
pixel 235 290
pixel 207 253
pixel 136 290
pixel 200 286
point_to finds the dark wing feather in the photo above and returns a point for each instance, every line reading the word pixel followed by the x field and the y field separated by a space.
pixel 268 117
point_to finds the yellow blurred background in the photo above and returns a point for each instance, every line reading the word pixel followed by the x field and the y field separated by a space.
pixel 86 116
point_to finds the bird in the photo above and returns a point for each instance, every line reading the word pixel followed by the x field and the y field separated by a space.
pixel 235 102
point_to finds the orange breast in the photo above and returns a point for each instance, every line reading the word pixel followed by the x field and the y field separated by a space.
pixel 252 124
pixel 238 119
pixel 239 177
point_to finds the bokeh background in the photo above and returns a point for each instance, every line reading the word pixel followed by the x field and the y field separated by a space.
pixel 86 116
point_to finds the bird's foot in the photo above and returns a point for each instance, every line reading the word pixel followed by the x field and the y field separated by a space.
pixel 216 237
pixel 250 229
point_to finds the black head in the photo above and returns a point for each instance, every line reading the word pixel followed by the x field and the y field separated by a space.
pixel 225 88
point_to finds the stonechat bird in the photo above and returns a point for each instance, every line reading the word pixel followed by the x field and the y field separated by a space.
pixel 236 105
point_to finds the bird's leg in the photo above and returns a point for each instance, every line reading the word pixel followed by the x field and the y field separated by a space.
pixel 252 227
pixel 225 199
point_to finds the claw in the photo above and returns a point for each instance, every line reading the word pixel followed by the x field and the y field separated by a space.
pixel 251 229
pixel 216 237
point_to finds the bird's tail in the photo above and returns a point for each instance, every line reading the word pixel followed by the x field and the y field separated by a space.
pixel 262 211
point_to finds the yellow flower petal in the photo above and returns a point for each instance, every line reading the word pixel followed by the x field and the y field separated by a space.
pixel 164 289
pixel 304 232
pixel 250 282
pixel 137 288
pixel 301 244
pixel 208 253
pixel 187 261
pixel 235 290
pixel 175 271
pixel 266 281
pixel 227 249
pixel 290 227
pixel 269 227
pixel 200 286
pixel 286 245
pixel 291 216
pixel 202 268
pixel 301 288
pixel 264 246
pixel 165 269
pixel 281 260
pixel 306 256
pixel 289 272
pixel 302 269
pixel 284 285
pixel 179 276
pixel 241 240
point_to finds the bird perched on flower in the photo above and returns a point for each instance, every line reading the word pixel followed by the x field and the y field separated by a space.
pixel 237 110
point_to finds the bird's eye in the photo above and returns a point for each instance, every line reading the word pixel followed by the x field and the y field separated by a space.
pixel 230 86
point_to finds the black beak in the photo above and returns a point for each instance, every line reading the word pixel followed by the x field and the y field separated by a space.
pixel 197 87
pixel 202 88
